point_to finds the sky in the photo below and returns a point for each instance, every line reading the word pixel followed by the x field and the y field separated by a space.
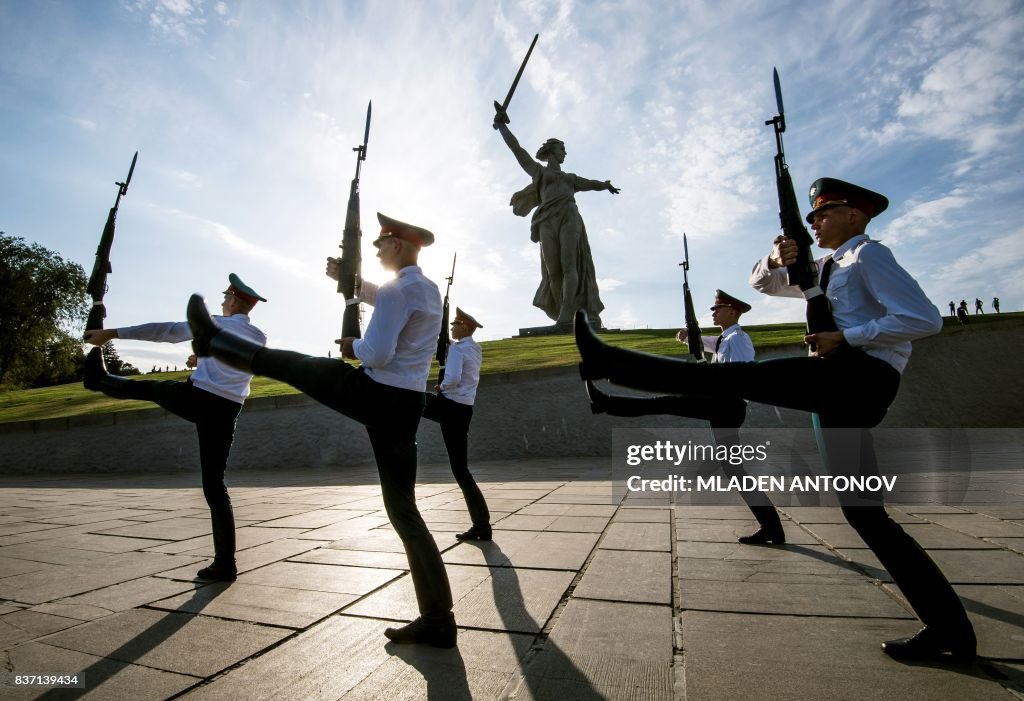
pixel 245 115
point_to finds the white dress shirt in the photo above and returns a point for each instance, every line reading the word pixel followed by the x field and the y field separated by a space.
pixel 736 346
pixel 877 305
pixel 462 371
pixel 401 337
pixel 210 374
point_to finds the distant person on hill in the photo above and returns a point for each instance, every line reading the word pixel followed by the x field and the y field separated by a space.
pixel 977 306
pixel 995 304
pixel 952 309
pixel 211 398
pixel 962 313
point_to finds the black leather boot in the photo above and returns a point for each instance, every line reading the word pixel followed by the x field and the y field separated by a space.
pixel 208 340
pixel 219 571
pixel 203 328
pixel 476 533
pixel 932 643
pixel 97 378
pixel 435 630
pixel 591 348
pixel 764 536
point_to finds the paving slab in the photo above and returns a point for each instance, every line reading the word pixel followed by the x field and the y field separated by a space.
pixel 602 650
pixel 104 678
pixel 807 570
pixel 745 656
pixel 54 535
pixel 730 530
pixel 54 553
pixel 245 537
pixel 514 600
pixel 566 510
pixel 346 655
pixel 836 597
pixel 979 526
pixel 706 511
pixel 978 566
pixel 10 566
pixel 174 642
pixel 997 613
pixel 643 515
pixel 291 608
pixel 354 558
pixel 108 543
pixel 638 536
pixel 378 540
pixel 338 579
pixel 171 529
pixel 789 552
pixel 480 668
pixel 620 575
pixel 24 625
pixel 484 597
pixel 40 587
pixel 538 549
pixel 1014 544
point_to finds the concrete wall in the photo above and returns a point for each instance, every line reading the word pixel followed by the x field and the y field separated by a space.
pixel 970 377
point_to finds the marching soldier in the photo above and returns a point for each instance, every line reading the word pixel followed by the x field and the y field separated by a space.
pixel 211 399
pixel 452 407
pixel 849 382
pixel 385 394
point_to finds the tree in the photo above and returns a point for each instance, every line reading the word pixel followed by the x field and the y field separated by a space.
pixel 42 309
pixel 116 366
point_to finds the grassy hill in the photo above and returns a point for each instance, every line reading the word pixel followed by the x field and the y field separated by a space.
pixel 507 355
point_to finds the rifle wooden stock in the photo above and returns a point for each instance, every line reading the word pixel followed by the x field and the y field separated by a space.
pixel 694 341
pixel 351 264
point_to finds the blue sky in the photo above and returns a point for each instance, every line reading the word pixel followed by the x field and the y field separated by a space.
pixel 245 115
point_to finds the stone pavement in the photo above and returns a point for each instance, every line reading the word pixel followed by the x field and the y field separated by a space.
pixel 575 598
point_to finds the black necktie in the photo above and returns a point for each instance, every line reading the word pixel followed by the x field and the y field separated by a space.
pixel 826 272
pixel 718 343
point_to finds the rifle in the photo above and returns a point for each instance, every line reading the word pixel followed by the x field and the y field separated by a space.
pixel 444 338
pixel 351 266
pixel 693 339
pixel 101 267
pixel 804 271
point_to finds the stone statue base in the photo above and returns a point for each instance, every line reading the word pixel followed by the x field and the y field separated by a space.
pixel 562 329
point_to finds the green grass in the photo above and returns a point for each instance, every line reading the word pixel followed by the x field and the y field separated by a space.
pixel 508 355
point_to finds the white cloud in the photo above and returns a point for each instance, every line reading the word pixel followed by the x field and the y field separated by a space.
pixel 924 218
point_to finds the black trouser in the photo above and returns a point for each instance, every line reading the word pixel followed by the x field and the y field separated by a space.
pixel 725 414
pixel 391 416
pixel 849 389
pixel 455 419
pixel 215 418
